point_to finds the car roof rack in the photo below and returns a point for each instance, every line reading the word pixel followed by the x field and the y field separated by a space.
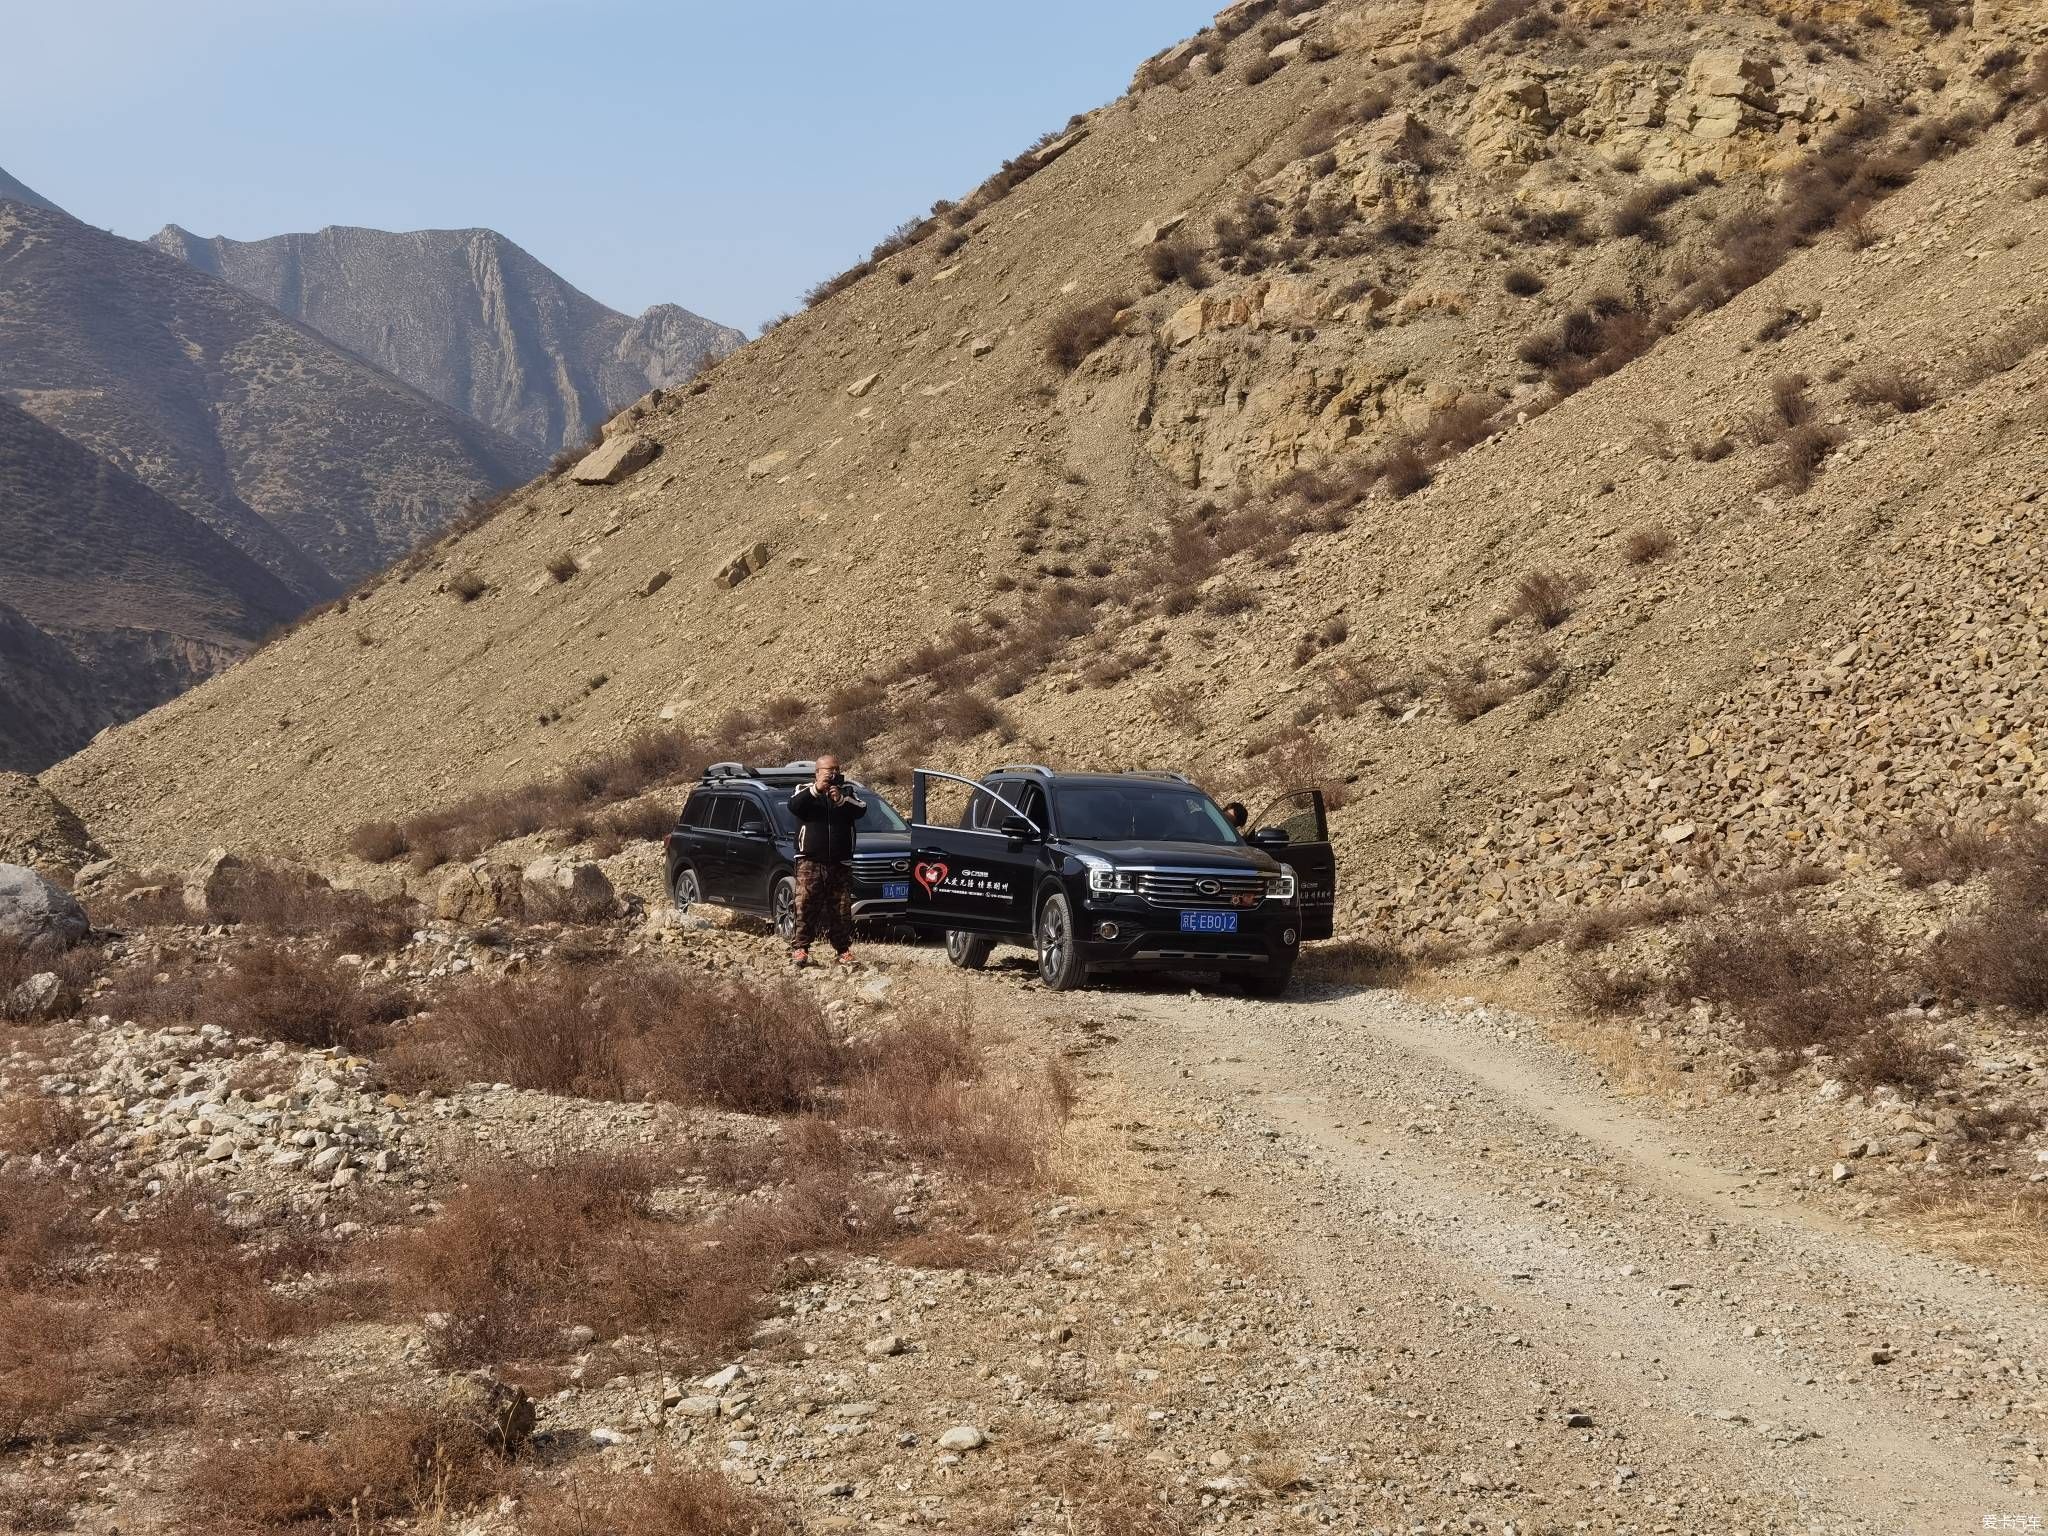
pixel 726 771
pixel 1162 773
pixel 1025 768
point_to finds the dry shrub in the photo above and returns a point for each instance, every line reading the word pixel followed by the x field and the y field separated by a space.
pixel 1803 451
pixel 1230 598
pixel 923 1085
pixel 1943 851
pixel 75 968
pixel 1889 1054
pixel 1523 283
pixel 1543 597
pixel 1177 261
pixel 1106 1498
pixel 2009 348
pixel 468 586
pixel 1998 957
pixel 279 993
pixel 1596 990
pixel 514 1257
pixel 1469 687
pixel 1301 760
pixel 1178 705
pixel 1404 471
pixel 33 1122
pixel 370 1464
pixel 1644 545
pixel 633 1030
pixel 1792 982
pixel 563 567
pixel 1904 390
pixel 964 714
pixel 378 842
pixel 1077 332
pixel 671 1500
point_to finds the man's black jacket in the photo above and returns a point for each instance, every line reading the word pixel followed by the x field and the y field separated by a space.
pixel 824 831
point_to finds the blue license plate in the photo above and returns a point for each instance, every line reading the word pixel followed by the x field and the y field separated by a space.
pixel 896 890
pixel 1208 922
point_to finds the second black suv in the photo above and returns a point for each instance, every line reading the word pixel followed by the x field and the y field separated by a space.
pixel 735 846
pixel 1134 870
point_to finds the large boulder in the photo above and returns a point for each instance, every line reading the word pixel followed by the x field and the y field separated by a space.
pixel 37 913
pixel 208 885
pixel 615 459
pixel 480 892
pixel 568 889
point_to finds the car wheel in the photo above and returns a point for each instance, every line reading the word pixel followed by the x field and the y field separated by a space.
pixel 1059 956
pixel 689 890
pixel 967 950
pixel 782 902
pixel 1271 982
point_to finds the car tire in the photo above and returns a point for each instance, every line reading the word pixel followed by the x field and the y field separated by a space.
pixel 1271 982
pixel 968 951
pixel 1059 955
pixel 688 889
pixel 782 907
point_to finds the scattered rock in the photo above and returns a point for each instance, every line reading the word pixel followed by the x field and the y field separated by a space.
pixel 501 1414
pixel 479 892
pixel 615 459
pixel 962 1437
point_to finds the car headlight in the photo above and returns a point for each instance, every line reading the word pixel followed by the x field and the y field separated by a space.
pixel 1280 887
pixel 1107 880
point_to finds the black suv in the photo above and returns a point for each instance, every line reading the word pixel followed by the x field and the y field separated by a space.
pixel 1120 871
pixel 735 846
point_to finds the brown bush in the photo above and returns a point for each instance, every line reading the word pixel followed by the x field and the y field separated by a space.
pixel 1643 545
pixel 1523 283
pixel 1404 471
pixel 1791 982
pixel 1903 389
pixel 1998 957
pixel 1469 687
pixel 962 715
pixel 1301 760
pixel 278 993
pixel 33 1122
pixel 1802 453
pixel 1078 332
pixel 378 842
pixel 371 1463
pixel 563 567
pixel 637 1030
pixel 1543 597
pixel 1944 851
pixel 671 1500
pixel 1593 989
pixel 468 586
pixel 1177 261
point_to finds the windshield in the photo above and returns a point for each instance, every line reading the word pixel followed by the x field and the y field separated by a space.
pixel 1140 812
pixel 881 816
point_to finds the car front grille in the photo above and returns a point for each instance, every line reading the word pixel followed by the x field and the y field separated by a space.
pixel 877 868
pixel 1198 888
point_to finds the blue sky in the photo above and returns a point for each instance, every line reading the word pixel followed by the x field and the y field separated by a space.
pixel 721 155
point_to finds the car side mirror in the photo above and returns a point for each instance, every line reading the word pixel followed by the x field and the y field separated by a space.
pixel 1270 837
pixel 1020 828
pixel 755 829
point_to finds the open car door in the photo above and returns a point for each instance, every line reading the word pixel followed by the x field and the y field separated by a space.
pixel 1300 813
pixel 979 878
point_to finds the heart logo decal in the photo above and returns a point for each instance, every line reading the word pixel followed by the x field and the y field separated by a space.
pixel 931 876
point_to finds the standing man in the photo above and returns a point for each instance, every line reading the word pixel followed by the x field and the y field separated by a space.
pixel 825 811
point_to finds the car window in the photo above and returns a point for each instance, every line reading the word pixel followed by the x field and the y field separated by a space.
pixel 984 810
pixel 697 813
pixel 752 816
pixel 881 816
pixel 1030 799
pixel 1136 811
pixel 725 813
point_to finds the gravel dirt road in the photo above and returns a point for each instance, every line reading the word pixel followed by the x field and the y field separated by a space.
pixel 1557 1307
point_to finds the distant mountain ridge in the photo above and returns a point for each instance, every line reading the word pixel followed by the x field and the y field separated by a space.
pixel 14 191
pixel 469 318
pixel 315 463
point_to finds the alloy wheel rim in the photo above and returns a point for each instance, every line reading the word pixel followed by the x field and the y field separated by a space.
pixel 785 908
pixel 688 893
pixel 1055 941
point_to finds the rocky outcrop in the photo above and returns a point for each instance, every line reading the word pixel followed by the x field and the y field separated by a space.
pixel 568 889
pixel 470 319
pixel 480 892
pixel 37 912
pixel 742 565
pixel 41 831
pixel 616 458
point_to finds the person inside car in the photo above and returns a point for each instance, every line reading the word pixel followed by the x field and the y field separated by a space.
pixel 825 811
pixel 1238 815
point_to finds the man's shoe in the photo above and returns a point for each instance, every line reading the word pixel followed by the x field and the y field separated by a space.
pixel 846 957
pixel 799 957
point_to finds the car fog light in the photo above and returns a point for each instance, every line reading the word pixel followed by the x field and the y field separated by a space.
pixel 1287 936
pixel 1108 930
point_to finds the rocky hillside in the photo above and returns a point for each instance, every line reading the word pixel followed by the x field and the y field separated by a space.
pixel 313 463
pixel 1468 408
pixel 466 316
pixel 139 597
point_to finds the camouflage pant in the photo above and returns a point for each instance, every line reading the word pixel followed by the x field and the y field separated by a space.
pixel 824 899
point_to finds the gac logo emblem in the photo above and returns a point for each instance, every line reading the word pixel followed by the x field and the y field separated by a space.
pixel 931 876
pixel 1209 887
